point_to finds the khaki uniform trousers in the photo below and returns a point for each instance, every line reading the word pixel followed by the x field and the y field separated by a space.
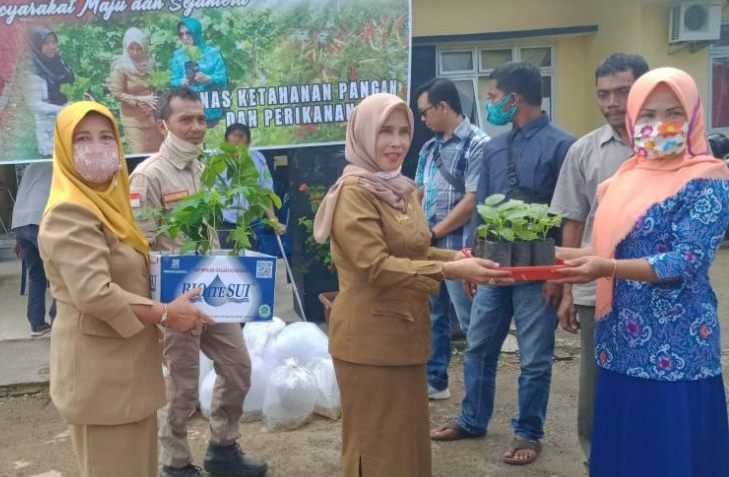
pixel 223 344
pixel 117 451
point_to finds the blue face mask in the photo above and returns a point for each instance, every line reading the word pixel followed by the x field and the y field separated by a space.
pixel 496 114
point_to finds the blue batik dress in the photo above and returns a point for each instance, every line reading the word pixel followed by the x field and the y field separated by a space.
pixel 660 408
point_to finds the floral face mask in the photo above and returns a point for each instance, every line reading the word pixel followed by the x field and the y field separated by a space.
pixel 657 139
pixel 96 163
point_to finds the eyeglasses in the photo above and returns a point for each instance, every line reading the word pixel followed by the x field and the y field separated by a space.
pixel 423 112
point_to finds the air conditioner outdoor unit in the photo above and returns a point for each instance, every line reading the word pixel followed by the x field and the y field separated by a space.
pixel 695 21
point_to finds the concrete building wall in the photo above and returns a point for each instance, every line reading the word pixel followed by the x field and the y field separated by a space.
pixel 438 17
pixel 641 27
pixel 630 26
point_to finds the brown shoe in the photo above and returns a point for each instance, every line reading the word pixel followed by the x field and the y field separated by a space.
pixel 451 432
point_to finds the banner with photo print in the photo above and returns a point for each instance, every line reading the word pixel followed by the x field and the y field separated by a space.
pixel 292 70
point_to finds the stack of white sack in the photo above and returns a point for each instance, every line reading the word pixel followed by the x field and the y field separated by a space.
pixel 290 364
pixel 328 403
pixel 290 397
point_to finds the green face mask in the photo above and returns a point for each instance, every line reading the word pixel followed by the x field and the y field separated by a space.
pixel 496 114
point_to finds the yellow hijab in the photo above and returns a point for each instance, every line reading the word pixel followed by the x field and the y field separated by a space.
pixel 111 205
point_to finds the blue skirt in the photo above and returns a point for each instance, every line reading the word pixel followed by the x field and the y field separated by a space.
pixel 647 428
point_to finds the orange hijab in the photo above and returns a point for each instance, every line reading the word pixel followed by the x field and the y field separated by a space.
pixel 641 183
pixel 111 206
pixel 359 150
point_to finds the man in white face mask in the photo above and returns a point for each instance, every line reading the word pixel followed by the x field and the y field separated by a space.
pixel 174 172
pixel 162 180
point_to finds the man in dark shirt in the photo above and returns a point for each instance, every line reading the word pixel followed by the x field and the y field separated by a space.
pixel 523 163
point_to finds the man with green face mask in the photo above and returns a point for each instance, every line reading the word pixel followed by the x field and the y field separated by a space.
pixel 522 163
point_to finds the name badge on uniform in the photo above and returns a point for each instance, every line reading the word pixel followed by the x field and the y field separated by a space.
pixel 135 199
pixel 401 218
pixel 172 197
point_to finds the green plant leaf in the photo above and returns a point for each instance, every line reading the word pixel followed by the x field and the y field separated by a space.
pixel 494 199
pixel 193 52
pixel 514 215
pixel 507 234
pixel 487 213
pixel 229 179
pixel 512 204
pixel 158 79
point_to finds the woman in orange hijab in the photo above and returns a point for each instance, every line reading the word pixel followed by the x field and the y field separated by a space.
pixel 106 359
pixel 660 407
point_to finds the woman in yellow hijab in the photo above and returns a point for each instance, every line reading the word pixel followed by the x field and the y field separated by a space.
pixel 106 360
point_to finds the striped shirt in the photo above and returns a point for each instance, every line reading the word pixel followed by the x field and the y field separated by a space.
pixel 461 154
pixel 264 180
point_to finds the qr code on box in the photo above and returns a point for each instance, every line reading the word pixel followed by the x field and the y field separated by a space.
pixel 264 269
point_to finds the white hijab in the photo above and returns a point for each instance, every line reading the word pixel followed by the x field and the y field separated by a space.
pixel 135 35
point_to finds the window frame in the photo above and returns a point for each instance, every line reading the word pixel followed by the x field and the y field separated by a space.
pixel 721 53
pixel 479 71
pixel 454 72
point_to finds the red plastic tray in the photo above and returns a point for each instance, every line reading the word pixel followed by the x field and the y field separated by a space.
pixel 537 273
pixel 527 274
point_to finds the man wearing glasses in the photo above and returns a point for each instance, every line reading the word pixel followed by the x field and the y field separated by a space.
pixel 448 170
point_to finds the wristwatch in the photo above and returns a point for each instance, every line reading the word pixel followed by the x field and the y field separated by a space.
pixel 163 318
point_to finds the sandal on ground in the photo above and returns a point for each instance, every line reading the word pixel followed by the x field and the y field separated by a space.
pixel 518 444
pixel 451 432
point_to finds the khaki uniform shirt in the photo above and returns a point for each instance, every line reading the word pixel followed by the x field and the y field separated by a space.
pixel 162 180
pixel 126 87
pixel 386 270
pixel 592 159
pixel 106 366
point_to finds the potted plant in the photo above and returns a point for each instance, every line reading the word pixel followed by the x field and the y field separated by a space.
pixel 497 214
pixel 158 80
pixel 521 223
pixel 541 223
pixel 191 67
pixel 317 254
pixel 229 181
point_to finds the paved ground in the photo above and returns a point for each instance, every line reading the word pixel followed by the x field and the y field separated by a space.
pixel 35 443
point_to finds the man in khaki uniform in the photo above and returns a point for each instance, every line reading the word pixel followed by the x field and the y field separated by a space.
pixel 162 180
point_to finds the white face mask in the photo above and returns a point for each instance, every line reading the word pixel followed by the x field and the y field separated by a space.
pixel 180 148
pixel 389 174
pixel 96 164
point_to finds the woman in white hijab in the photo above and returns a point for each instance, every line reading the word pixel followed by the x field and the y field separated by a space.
pixel 128 83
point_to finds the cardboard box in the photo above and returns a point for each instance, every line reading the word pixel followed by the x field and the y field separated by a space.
pixel 237 288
